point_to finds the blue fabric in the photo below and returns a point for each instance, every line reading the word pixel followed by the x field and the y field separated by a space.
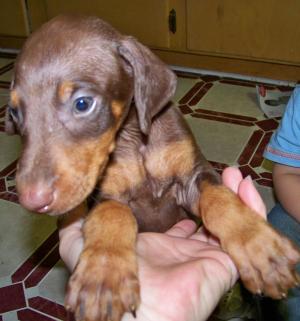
pixel 284 146
pixel 287 225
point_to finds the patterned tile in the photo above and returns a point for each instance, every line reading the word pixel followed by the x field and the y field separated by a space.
pixel 5 64
pixel 48 307
pixel 6 77
pixel 184 85
pixel 232 99
pixel 14 291
pixel 4 95
pixel 32 315
pixel 28 271
pixel 191 93
pixel 215 145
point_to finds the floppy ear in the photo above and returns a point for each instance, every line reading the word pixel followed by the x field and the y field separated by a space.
pixel 154 82
pixel 10 127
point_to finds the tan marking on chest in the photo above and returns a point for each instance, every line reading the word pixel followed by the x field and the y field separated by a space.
pixel 122 176
pixel 174 159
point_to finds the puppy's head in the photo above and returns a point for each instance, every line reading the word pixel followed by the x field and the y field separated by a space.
pixel 73 84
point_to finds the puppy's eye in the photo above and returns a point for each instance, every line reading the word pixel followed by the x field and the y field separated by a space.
pixel 84 105
pixel 14 112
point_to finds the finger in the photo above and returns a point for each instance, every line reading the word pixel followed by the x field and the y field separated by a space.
pixel 70 247
pixel 184 229
pixel 250 196
pixel 203 235
pixel 245 188
pixel 232 177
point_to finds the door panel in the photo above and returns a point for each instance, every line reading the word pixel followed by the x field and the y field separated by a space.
pixel 147 20
pixel 266 30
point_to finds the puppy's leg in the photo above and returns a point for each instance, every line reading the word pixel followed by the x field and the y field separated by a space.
pixel 104 284
pixel 265 259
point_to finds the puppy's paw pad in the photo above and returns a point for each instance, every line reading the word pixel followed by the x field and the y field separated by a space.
pixel 103 288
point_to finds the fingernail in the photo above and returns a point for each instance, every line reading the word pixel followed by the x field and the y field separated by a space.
pixel 249 178
pixel 133 311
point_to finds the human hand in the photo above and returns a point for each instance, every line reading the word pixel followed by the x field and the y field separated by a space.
pixel 183 273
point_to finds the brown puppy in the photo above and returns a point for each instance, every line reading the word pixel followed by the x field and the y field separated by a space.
pixel 71 103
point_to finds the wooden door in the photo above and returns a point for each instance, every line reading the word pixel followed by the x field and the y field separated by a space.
pixel 13 18
pixel 147 20
pixel 266 30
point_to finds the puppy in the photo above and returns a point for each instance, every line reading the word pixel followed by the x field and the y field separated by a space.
pixel 71 102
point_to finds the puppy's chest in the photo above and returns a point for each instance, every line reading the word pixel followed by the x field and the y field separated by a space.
pixel 139 183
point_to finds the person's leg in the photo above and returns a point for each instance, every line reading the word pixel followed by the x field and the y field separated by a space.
pixel 287 225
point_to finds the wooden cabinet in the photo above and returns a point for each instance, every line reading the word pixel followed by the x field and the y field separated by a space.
pixel 266 30
pixel 257 37
pixel 13 22
pixel 147 20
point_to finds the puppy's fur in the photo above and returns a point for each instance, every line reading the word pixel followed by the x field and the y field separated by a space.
pixel 71 100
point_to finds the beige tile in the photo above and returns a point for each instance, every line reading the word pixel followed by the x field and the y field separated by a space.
pixel 219 142
pixel 267 165
pixel 5 61
pixel 20 233
pixel 54 284
pixel 4 96
pixel 7 76
pixel 10 149
pixel 183 86
pixel 231 99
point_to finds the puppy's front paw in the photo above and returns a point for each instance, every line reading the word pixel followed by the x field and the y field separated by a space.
pixel 265 259
pixel 104 285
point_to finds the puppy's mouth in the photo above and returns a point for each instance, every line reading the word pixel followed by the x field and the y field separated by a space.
pixel 56 198
pixel 66 200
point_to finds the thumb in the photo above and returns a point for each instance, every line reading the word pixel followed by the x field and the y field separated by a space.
pixel 184 229
pixel 251 197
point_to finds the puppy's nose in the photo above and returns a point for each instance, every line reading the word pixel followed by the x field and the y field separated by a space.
pixel 37 197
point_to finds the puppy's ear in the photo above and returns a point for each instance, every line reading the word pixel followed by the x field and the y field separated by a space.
pixel 154 82
pixel 10 126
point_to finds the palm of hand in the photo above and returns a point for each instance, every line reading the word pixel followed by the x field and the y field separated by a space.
pixel 183 274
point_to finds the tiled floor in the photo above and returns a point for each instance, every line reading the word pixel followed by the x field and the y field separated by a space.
pixel 231 130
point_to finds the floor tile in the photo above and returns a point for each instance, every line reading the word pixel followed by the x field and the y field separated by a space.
pixel 7 76
pixel 236 100
pixel 5 61
pixel 4 96
pixel 217 146
pixel 21 233
pixel 10 149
